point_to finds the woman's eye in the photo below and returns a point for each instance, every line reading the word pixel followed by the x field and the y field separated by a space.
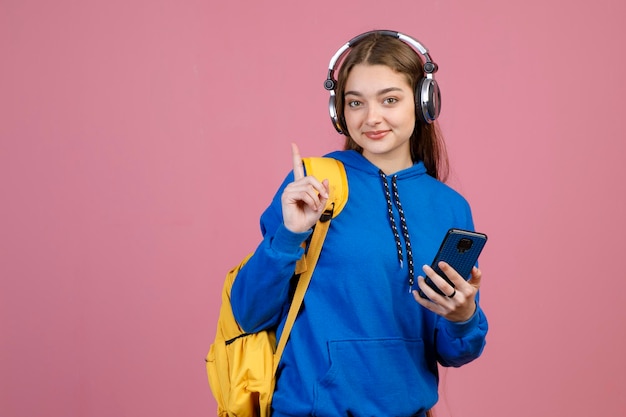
pixel 391 100
pixel 354 103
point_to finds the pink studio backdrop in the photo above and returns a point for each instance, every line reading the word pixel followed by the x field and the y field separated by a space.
pixel 140 141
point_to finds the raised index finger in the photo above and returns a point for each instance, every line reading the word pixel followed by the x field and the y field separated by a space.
pixel 298 168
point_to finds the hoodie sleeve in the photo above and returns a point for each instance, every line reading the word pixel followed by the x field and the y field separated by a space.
pixel 461 343
pixel 261 289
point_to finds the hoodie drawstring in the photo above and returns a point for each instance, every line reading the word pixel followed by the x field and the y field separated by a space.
pixel 403 225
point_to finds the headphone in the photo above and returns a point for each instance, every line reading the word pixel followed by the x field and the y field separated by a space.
pixel 427 94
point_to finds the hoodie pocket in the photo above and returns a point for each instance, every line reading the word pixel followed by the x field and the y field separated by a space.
pixel 376 377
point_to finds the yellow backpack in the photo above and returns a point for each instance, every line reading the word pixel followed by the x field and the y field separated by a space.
pixel 241 366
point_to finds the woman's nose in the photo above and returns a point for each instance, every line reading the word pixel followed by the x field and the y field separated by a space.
pixel 373 115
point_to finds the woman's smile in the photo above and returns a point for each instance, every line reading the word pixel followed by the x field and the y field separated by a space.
pixel 376 134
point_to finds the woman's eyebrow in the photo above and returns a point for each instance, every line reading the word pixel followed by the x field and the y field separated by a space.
pixel 379 93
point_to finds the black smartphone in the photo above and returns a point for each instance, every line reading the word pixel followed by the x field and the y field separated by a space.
pixel 459 249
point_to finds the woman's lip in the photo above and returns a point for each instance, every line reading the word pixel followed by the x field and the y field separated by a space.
pixel 376 134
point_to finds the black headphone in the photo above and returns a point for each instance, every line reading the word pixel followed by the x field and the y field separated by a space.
pixel 427 94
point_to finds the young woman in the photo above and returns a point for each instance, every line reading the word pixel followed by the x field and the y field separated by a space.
pixel 365 342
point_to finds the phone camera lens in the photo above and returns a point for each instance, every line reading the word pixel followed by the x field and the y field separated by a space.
pixel 464 245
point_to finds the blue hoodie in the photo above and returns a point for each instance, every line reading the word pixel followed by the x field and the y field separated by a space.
pixel 361 345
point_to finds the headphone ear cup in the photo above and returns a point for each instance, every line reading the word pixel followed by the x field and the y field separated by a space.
pixel 343 126
pixel 428 100
pixel 334 118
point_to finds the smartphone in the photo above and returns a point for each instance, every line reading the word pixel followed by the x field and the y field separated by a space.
pixel 459 249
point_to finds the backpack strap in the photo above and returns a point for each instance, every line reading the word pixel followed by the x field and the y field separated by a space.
pixel 334 171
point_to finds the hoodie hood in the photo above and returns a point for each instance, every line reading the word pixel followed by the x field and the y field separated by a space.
pixel 357 161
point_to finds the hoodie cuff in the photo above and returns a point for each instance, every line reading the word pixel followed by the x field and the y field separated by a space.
pixel 288 242
pixel 461 329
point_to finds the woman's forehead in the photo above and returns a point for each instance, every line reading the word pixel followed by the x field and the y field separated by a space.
pixel 365 77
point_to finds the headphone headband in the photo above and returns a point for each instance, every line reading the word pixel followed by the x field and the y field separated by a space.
pixel 427 94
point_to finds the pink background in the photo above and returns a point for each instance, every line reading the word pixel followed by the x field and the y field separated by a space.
pixel 141 139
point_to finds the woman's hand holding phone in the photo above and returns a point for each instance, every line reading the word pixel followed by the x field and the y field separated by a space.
pixel 444 289
pixel 460 303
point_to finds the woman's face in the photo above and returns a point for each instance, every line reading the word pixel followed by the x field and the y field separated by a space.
pixel 379 111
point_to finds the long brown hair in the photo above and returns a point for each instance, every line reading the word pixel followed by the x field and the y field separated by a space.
pixel 427 144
